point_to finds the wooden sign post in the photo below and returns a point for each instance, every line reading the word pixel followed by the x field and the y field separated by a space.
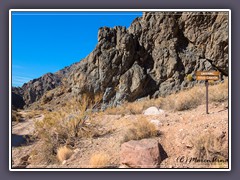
pixel 207 75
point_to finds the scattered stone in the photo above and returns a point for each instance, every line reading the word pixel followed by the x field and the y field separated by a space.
pixel 124 166
pixel 153 111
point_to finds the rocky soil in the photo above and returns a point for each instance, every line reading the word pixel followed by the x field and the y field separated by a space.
pixel 179 137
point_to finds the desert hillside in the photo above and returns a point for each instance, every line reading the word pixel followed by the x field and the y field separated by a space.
pixel 133 102
pixel 177 125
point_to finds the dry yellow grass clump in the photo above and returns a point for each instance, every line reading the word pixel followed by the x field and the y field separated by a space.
pixel 196 96
pixel 64 153
pixel 212 147
pixel 219 93
pixel 185 100
pixel 100 160
pixel 136 107
pixel 65 127
pixel 16 116
pixel 140 129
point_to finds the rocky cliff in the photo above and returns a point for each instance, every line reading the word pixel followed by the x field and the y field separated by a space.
pixel 150 58
pixel 33 90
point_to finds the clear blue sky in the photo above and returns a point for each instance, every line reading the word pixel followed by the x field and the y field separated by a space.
pixel 45 42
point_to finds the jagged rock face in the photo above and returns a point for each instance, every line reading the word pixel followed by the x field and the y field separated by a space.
pixel 34 90
pixel 150 58
pixel 153 56
pixel 208 32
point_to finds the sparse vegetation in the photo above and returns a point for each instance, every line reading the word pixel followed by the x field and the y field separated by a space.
pixel 64 153
pixel 189 77
pixel 180 101
pixel 219 93
pixel 140 129
pixel 185 100
pixel 47 97
pixel 16 117
pixel 66 126
pixel 134 107
pixel 65 129
pixel 195 96
pixel 99 160
pixel 210 147
pixel 31 114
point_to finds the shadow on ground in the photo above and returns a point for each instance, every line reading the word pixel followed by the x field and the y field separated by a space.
pixel 18 140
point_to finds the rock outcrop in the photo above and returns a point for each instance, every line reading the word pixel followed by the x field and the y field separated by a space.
pixel 33 90
pixel 153 56
pixel 150 58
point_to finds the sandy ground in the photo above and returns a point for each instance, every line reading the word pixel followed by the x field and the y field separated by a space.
pixel 26 126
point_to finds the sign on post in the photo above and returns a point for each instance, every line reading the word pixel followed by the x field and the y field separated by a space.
pixel 207 78
pixel 207 75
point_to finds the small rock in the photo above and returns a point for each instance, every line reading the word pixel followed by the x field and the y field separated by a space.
pixel 153 111
pixel 124 166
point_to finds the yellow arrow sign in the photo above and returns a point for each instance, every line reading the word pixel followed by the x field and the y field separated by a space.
pixel 208 78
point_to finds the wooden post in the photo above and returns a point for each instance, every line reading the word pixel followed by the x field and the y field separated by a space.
pixel 207 75
pixel 206 83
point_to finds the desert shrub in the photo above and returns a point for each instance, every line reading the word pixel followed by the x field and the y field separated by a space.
pixel 189 77
pixel 219 93
pixel 184 100
pixel 65 126
pixel 64 153
pixel 31 114
pixel 210 146
pixel 47 97
pixel 140 129
pixel 16 116
pixel 99 160
pixel 136 107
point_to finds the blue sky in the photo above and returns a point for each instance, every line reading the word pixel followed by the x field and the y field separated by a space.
pixel 45 42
